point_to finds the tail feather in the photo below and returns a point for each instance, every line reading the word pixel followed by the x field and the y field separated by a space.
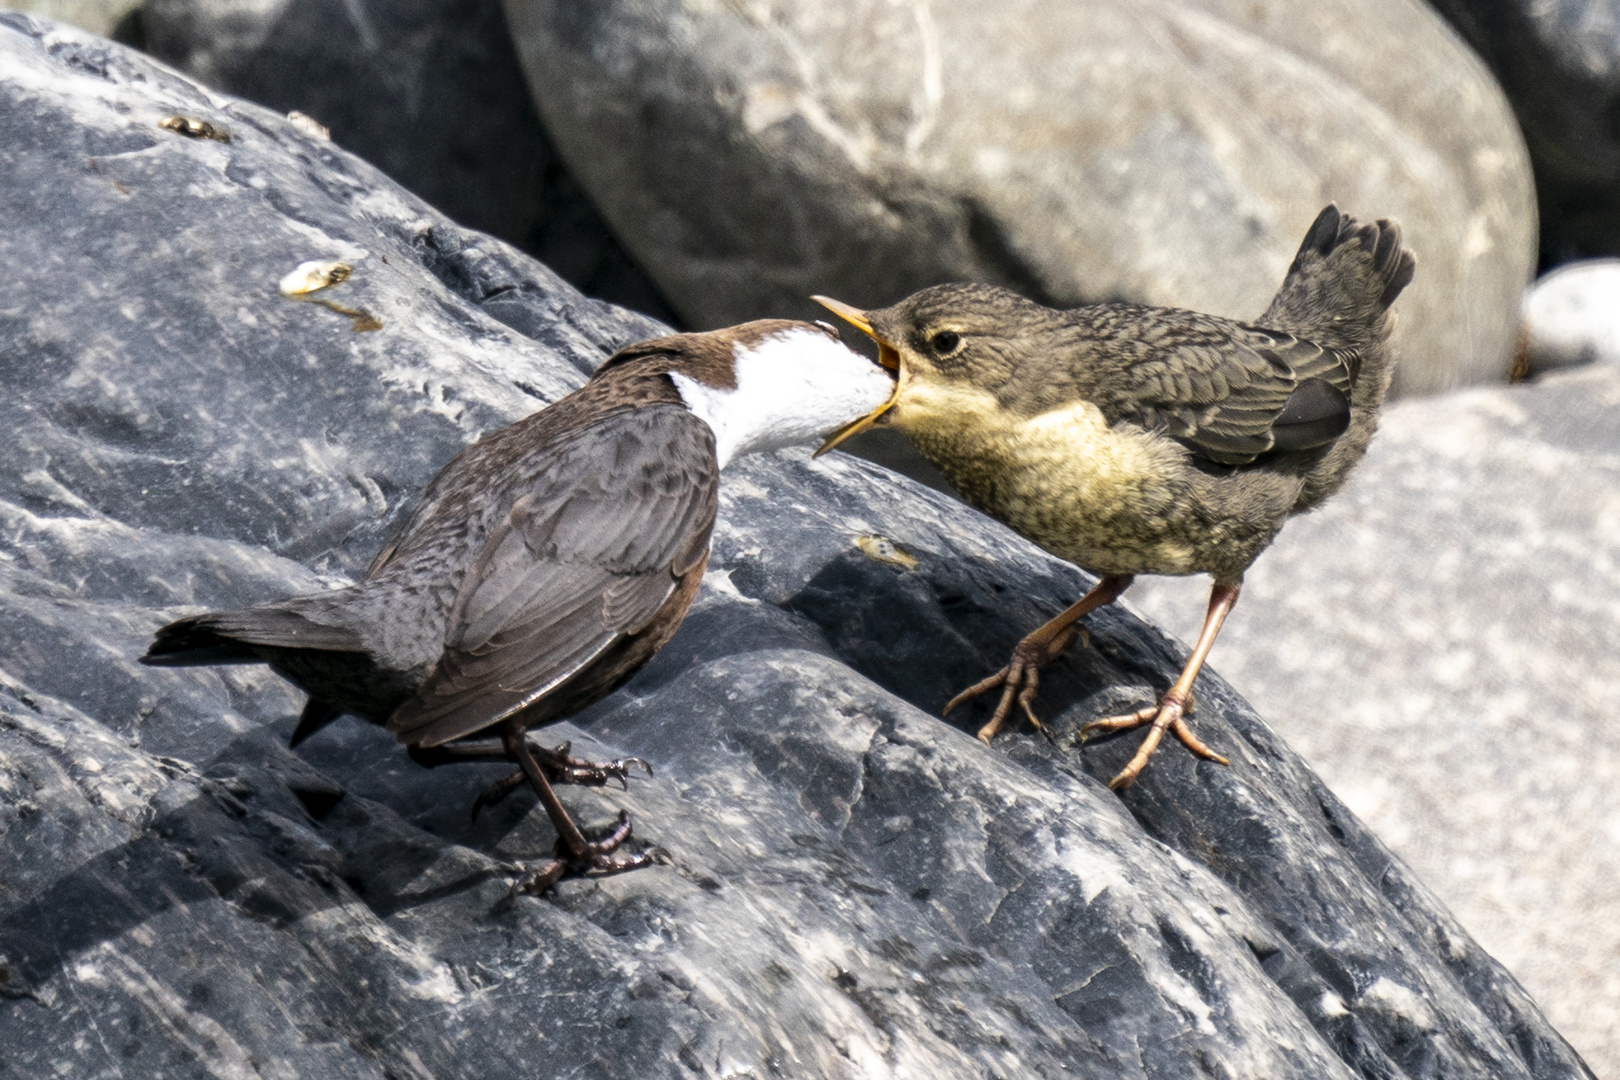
pixel 229 637
pixel 1342 282
pixel 1337 294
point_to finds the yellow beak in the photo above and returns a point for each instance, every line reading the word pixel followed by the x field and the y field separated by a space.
pixel 888 356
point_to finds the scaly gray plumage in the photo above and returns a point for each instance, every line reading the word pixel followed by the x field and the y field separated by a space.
pixel 1132 439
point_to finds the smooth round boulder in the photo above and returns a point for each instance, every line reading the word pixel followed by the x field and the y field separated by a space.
pixel 750 155
pixel 1572 317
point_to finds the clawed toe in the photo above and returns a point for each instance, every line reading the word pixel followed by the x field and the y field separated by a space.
pixel 563 769
pixel 572 851
pixel 1019 681
pixel 560 768
pixel 596 859
pixel 1167 715
pixel 497 792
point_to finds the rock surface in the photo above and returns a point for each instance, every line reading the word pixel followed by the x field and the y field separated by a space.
pixel 1559 63
pixel 1442 642
pixel 857 888
pixel 102 17
pixel 1572 317
pixel 430 92
pixel 750 155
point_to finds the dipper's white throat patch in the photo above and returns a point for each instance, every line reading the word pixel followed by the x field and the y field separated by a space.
pixel 796 386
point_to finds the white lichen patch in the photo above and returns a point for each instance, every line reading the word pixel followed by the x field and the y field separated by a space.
pixel 313 276
pixel 1389 997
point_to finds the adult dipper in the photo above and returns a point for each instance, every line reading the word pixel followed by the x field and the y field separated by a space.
pixel 1141 440
pixel 547 563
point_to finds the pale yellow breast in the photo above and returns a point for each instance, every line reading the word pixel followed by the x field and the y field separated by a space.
pixel 1102 497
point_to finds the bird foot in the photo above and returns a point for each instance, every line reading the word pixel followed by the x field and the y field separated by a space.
pixel 1019 681
pixel 1168 715
pixel 595 858
pixel 560 768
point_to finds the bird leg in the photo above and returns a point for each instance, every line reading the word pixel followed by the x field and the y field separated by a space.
pixel 572 850
pixel 1168 714
pixel 559 767
pixel 1021 677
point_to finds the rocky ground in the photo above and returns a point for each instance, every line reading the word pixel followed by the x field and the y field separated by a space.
pixel 1442 642
pixel 856 887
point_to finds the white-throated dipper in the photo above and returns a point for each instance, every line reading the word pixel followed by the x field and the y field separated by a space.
pixel 1141 440
pixel 548 562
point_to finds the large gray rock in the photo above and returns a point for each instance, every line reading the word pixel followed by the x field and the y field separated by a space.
pixel 857 888
pixel 430 92
pixel 751 154
pixel 102 17
pixel 1442 642
pixel 1559 63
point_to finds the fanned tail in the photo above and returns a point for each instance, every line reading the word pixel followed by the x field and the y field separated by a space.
pixel 1337 294
pixel 1342 282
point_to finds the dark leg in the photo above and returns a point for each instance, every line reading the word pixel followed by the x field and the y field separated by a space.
pixel 573 851
pixel 559 767
pixel 1168 713
pixel 1021 677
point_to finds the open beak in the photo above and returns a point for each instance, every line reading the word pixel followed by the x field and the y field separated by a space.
pixel 888 357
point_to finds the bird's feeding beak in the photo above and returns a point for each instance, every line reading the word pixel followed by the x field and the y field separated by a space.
pixel 888 357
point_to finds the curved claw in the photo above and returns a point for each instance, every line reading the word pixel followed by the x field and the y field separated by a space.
pixel 1019 680
pixel 621 769
pixel 597 857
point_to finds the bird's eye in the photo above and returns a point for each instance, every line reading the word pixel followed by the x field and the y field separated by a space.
pixel 945 342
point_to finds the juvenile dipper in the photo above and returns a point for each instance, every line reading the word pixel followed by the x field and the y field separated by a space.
pixel 1141 440
pixel 547 562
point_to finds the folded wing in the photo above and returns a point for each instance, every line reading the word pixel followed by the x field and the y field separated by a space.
pixel 588 553
pixel 1231 393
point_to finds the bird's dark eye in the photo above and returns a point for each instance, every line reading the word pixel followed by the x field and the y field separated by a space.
pixel 945 342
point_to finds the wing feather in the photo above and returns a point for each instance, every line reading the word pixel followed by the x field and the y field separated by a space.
pixel 1231 393
pixel 587 555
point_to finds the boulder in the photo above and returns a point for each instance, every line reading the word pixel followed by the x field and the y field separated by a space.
pixel 1559 64
pixel 751 154
pixel 855 888
pixel 1572 317
pixel 430 92
pixel 104 17
pixel 1442 642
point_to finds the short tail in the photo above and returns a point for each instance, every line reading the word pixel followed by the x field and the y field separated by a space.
pixel 1341 284
pixel 230 637
pixel 1337 294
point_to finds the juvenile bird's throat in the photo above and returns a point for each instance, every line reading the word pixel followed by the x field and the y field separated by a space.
pixel 1087 492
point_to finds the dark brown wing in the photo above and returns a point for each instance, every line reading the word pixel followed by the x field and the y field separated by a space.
pixel 587 555
pixel 1230 393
